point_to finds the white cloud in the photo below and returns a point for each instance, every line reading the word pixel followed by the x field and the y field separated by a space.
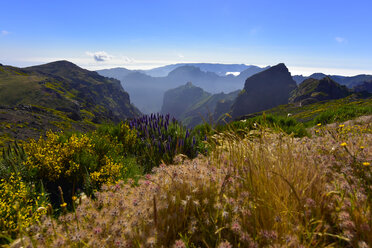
pixel 235 73
pixel 100 56
pixel 181 56
pixel 340 39
pixel 4 32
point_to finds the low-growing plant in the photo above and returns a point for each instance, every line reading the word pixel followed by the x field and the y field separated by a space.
pixel 341 113
pixel 260 189
pixel 278 123
pixel 160 139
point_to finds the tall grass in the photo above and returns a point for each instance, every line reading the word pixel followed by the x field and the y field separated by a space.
pixel 260 189
pixel 342 113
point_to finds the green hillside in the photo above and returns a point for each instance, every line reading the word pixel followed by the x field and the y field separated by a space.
pixel 57 96
pixel 324 111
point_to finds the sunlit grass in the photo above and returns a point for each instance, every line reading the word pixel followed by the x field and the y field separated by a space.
pixel 258 189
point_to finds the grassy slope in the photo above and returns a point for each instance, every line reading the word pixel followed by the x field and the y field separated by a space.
pixel 54 95
pixel 341 109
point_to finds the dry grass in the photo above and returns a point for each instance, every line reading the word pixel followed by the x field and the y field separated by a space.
pixel 265 190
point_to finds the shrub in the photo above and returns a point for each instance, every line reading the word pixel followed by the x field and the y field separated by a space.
pixel 75 162
pixel 161 139
pixel 20 207
pixel 261 189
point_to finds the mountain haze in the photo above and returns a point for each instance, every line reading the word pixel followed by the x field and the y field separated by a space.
pixel 219 69
pixel 192 105
pixel 147 92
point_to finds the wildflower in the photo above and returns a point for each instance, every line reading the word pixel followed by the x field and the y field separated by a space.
pixel 63 205
pixel 319 124
pixel 362 244
pixel 341 126
pixel 151 241
pixel 225 244
pixel 343 144
pixel 366 163
pixel 362 147
pixel 225 214
pixel 235 227
pixel 179 244
pixel 74 198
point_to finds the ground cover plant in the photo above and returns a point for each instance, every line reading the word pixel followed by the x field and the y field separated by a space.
pixel 65 165
pixel 322 112
pixel 261 189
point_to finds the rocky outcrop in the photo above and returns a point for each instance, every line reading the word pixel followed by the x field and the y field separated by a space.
pixel 264 90
pixel 314 90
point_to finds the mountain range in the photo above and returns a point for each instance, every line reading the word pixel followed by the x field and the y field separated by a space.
pixel 147 92
pixel 63 90
pixel 147 87
pixel 314 90
pixel 219 69
pixel 349 82
pixel 193 105
pixel 262 91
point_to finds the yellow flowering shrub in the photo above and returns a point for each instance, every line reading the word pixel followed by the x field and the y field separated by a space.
pixel 109 173
pixel 76 162
pixel 53 158
pixel 128 136
pixel 19 206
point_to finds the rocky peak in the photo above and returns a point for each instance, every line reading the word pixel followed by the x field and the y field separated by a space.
pixel 264 90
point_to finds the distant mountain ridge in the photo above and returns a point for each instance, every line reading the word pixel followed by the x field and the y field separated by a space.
pixel 147 92
pixel 219 69
pixel 314 90
pixel 192 105
pixel 349 82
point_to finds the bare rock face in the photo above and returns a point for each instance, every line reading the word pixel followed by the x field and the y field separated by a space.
pixel 264 90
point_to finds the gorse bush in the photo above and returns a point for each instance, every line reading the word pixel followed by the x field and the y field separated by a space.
pixel 55 159
pixel 20 206
pixel 76 162
pixel 258 189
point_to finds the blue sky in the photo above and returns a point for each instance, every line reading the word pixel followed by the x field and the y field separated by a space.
pixel 309 36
